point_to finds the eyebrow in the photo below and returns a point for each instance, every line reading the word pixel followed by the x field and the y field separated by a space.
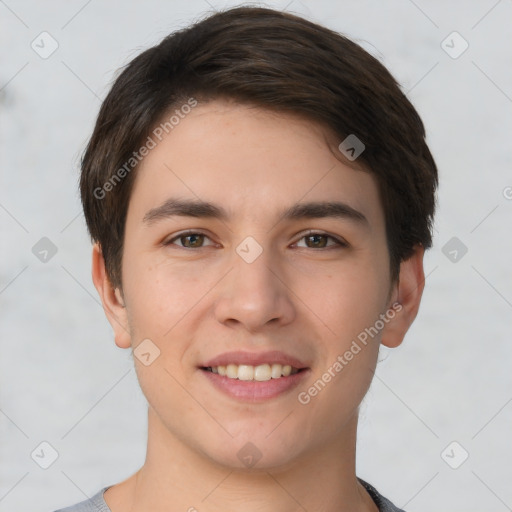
pixel 203 209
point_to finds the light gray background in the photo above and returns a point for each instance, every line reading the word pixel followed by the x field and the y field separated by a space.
pixel 63 380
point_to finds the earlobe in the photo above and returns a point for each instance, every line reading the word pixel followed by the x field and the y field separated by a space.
pixel 112 300
pixel 408 293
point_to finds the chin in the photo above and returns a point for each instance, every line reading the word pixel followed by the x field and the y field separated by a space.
pixel 253 453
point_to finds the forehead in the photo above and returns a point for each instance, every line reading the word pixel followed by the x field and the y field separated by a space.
pixel 252 161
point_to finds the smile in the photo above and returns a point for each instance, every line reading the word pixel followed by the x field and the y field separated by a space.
pixel 249 376
pixel 262 372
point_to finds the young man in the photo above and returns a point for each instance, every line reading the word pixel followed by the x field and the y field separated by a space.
pixel 260 195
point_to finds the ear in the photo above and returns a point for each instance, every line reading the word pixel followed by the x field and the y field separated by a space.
pixel 406 296
pixel 112 300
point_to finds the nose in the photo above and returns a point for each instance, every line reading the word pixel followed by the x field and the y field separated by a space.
pixel 255 294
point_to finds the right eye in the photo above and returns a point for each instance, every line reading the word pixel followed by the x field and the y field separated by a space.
pixel 189 240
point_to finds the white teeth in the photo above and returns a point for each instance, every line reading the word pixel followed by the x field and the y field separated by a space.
pixel 245 372
pixel 276 371
pixel 287 369
pixel 260 373
pixel 232 371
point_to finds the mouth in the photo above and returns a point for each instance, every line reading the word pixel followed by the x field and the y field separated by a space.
pixel 260 373
pixel 254 377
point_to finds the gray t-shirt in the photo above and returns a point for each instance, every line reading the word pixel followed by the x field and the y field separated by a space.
pixel 97 503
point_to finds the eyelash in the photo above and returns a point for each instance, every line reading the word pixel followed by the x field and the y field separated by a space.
pixel 184 234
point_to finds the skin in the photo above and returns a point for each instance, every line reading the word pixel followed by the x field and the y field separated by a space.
pixel 305 299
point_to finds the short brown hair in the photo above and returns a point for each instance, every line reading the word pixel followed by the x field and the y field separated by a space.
pixel 277 61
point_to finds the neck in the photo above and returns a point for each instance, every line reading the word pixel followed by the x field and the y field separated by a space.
pixel 174 474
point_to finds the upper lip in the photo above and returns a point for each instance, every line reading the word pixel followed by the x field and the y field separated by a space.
pixel 239 357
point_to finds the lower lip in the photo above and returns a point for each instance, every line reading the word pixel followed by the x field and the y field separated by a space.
pixel 253 390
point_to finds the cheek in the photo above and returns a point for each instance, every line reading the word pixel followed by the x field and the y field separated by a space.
pixel 161 295
pixel 349 300
pixel 349 352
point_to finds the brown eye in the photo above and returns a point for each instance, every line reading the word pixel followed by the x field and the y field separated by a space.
pixel 320 241
pixel 190 240
pixel 317 240
pixel 194 240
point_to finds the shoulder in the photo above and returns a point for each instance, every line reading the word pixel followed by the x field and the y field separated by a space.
pixel 98 504
pixel 94 504
pixel 383 503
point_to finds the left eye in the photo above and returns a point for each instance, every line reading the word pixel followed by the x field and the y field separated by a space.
pixel 319 240
pixel 193 240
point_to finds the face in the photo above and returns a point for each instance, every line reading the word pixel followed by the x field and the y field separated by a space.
pixel 250 248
